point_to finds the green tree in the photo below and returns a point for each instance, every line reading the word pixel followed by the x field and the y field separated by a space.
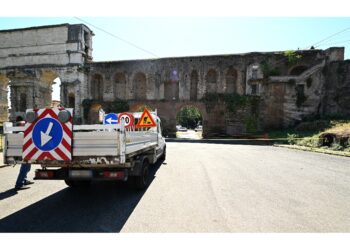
pixel 189 117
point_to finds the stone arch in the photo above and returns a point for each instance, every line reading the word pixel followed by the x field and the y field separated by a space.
pixel 194 85
pixel 97 87
pixel 140 86
pixel 119 85
pixel 297 70
pixel 199 107
pixel 231 81
pixel 211 81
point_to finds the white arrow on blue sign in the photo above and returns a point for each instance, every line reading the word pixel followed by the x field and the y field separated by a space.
pixel 47 134
pixel 111 118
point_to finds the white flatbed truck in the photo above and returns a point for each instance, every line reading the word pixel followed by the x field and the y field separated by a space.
pixel 98 152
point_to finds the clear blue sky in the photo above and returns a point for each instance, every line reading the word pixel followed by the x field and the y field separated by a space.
pixel 186 36
pixel 189 36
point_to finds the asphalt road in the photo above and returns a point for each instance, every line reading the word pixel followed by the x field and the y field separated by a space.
pixel 199 188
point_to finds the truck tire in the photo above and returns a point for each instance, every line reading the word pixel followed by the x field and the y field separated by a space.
pixel 142 181
pixel 163 155
pixel 77 183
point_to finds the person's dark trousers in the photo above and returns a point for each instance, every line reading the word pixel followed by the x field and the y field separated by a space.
pixel 22 176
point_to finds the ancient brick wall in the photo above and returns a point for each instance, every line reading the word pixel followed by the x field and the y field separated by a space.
pixel 336 101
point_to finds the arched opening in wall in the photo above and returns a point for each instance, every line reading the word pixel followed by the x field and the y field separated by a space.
pixel 298 70
pixel 48 91
pixel 96 87
pixel 119 87
pixel 211 80
pixel 194 85
pixel 56 93
pixel 189 123
pixel 71 100
pixel 140 86
pixel 9 105
pixel 231 81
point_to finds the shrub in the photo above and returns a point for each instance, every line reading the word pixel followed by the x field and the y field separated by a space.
pixel 292 138
pixel 312 142
pixel 336 146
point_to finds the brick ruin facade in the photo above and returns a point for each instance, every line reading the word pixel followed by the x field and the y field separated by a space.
pixel 236 94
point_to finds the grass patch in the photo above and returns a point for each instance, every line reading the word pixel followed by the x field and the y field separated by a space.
pixel 313 135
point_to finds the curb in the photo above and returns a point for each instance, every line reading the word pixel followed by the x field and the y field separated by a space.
pixel 226 141
pixel 315 150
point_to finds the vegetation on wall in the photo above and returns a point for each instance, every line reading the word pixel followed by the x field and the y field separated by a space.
pixel 268 70
pixel 292 57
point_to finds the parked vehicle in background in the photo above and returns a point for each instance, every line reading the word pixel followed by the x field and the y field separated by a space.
pixel 199 128
pixel 182 129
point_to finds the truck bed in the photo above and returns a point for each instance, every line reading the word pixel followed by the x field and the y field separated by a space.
pixel 91 144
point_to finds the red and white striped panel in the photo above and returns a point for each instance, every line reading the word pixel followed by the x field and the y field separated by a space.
pixel 62 152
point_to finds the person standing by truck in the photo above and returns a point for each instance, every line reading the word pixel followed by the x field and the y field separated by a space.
pixel 22 181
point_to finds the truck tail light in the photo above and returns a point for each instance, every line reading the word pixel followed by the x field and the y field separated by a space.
pixel 113 174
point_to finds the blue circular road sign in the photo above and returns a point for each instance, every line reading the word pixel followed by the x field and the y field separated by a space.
pixel 47 134
pixel 111 118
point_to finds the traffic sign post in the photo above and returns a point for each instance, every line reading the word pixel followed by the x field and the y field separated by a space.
pixel 111 118
pixel 146 120
pixel 47 137
pixel 128 118
pixel 47 134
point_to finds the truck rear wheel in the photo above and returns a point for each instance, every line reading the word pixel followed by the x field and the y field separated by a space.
pixel 77 183
pixel 142 181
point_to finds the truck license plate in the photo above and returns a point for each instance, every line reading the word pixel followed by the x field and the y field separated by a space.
pixel 80 173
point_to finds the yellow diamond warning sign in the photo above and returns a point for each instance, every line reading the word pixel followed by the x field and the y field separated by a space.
pixel 146 120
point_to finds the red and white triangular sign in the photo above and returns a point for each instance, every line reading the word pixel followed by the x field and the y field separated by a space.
pixel 146 120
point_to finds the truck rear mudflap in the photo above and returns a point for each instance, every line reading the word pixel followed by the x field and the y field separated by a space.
pixel 81 174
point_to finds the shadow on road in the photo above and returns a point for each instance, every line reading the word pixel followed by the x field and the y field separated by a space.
pixel 8 193
pixel 104 207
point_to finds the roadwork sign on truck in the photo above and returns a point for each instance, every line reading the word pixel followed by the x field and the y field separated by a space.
pixel 79 154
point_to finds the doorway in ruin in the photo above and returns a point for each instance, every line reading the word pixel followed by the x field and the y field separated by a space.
pixel 189 123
